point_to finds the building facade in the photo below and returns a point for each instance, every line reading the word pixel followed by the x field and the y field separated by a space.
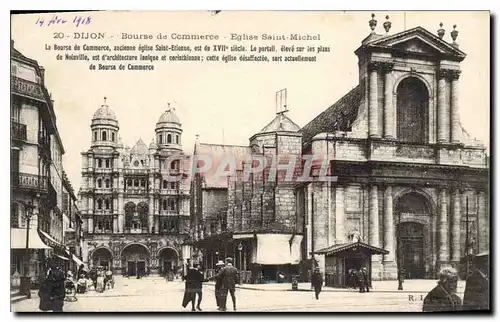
pixel 251 219
pixel 72 224
pixel 135 202
pixel 35 189
pixel 410 180
pixel 396 172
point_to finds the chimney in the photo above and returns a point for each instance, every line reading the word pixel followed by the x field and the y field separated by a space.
pixel 42 75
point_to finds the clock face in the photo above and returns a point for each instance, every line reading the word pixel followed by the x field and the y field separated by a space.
pixel 136 163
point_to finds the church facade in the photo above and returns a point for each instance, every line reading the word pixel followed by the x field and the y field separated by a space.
pixel 135 201
pixel 409 179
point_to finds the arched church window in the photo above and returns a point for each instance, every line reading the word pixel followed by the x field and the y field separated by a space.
pixel 99 163
pixel 165 184
pixel 99 183
pixel 95 135
pixel 177 139
pixel 107 163
pixel 136 183
pixel 160 138
pixel 143 183
pixel 106 203
pixel 172 185
pixel 164 205
pixel 169 138
pixel 107 183
pixel 412 111
pixel 104 135
pixel 113 136
pixel 129 183
pixel 171 205
pixel 99 204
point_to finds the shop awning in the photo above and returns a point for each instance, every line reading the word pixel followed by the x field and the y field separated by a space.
pixel 243 236
pixel 341 248
pixel 52 242
pixel 273 249
pixel 18 239
pixel 77 260
pixel 61 257
pixel 295 250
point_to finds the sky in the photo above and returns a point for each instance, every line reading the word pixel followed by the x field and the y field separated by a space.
pixel 229 102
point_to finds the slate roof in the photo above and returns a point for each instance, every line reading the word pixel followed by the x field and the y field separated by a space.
pixel 281 123
pixel 335 249
pixel 220 154
pixel 338 117
pixel 140 148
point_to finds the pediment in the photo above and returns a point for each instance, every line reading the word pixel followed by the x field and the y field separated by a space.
pixel 418 40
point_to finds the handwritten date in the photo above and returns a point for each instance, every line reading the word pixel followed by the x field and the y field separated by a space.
pixel 56 20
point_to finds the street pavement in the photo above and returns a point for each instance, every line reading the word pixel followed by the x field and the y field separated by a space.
pixel 156 295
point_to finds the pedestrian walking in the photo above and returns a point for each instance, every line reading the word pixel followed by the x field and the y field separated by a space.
pixel 57 288
pixel 443 297
pixel 218 284
pixel 366 279
pixel 228 276
pixel 360 280
pixel 317 282
pixel 100 281
pixel 477 286
pixel 193 286
pixel 44 293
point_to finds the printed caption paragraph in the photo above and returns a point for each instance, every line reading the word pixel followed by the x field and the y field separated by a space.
pixel 143 52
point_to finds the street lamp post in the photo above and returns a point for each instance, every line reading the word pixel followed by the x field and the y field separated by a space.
pixel 240 248
pixel 26 280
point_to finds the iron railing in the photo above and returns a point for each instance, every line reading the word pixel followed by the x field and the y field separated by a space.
pixel 18 131
pixel 29 181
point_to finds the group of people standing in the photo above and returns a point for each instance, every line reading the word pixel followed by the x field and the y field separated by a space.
pixel 444 297
pixel 358 279
pixel 225 283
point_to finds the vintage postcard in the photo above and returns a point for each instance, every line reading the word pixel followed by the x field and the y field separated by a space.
pixel 250 161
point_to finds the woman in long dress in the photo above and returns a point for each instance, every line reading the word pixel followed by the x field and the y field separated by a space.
pixel 100 281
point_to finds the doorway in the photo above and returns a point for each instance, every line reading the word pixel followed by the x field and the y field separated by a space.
pixel 131 269
pixel 411 237
pixel 141 268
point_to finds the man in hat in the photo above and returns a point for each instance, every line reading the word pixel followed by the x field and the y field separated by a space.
pixel 317 282
pixel 194 279
pixel 218 284
pixel 443 297
pixel 477 287
pixel 228 276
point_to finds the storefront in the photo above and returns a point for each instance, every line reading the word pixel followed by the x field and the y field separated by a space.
pixel 342 258
pixel 60 255
pixel 37 252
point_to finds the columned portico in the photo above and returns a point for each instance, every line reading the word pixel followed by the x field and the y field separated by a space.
pixel 388 105
pixel 376 269
pixel 388 225
pixel 443 228
pixel 339 214
pixel 455 117
pixel 443 110
pixel 455 227
pixel 373 102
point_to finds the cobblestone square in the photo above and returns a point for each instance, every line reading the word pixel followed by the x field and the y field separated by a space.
pixel 157 295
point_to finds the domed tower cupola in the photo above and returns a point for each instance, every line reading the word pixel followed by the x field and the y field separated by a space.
pixel 169 130
pixel 104 127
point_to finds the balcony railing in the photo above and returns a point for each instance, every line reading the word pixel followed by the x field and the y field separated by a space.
pixel 18 131
pixel 29 181
pixel 135 171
